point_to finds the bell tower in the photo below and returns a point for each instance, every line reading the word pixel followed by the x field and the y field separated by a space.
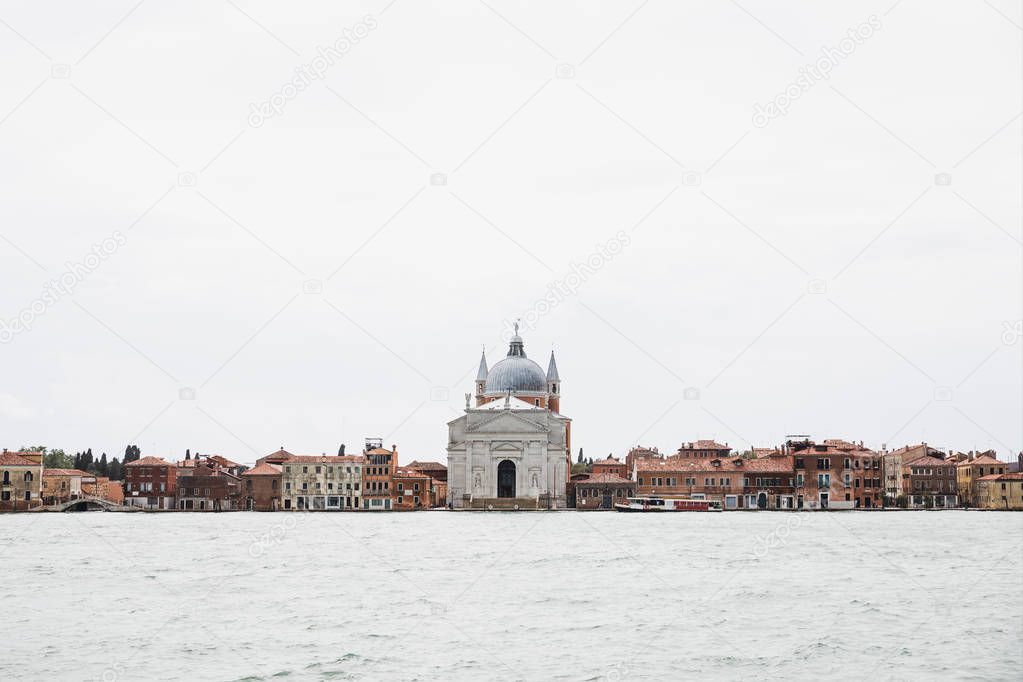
pixel 553 386
pixel 481 378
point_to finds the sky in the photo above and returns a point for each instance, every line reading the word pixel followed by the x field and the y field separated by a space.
pixel 235 226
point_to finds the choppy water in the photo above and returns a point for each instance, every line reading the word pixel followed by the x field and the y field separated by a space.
pixel 567 596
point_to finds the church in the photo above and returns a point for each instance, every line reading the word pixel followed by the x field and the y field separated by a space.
pixel 512 448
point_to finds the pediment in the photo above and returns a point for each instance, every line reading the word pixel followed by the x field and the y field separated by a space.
pixel 507 422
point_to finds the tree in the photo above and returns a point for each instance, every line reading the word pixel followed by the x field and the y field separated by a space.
pixel 188 454
pixel 103 467
pixel 341 450
pixel 580 460
pixel 116 471
pixel 78 460
pixel 57 459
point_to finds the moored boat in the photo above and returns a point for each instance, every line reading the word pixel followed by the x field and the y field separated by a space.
pixel 667 504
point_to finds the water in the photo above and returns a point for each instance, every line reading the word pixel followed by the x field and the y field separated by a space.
pixel 565 596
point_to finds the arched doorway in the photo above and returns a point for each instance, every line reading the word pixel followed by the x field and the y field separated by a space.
pixel 762 501
pixel 506 479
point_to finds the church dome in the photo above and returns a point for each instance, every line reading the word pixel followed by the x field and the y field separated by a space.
pixel 516 373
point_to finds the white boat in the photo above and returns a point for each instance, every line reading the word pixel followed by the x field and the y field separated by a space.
pixel 667 504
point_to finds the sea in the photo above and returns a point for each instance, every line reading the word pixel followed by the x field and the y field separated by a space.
pixel 899 595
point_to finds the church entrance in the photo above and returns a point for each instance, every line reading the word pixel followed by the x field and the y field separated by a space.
pixel 506 479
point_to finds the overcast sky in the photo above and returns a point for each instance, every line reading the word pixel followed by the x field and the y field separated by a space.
pixel 329 268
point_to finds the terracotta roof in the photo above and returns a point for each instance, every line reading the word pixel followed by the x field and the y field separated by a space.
pixel 927 460
pixel 610 460
pixel 11 459
pixel 263 470
pixel 223 461
pixel 1014 476
pixel 379 451
pixel 983 460
pixel 67 472
pixel 603 478
pixel 427 466
pixel 781 464
pixel 406 472
pixel 149 461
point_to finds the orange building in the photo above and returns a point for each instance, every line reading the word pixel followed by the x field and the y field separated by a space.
pixel 703 449
pixel 378 475
pixel 639 453
pixel 611 466
pixel 412 490
pixel 261 488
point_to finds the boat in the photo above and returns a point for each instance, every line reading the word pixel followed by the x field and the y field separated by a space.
pixel 667 504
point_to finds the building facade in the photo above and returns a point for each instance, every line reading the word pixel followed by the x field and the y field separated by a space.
pixel 206 486
pixel 601 491
pixel 150 483
pixel 323 483
pixel 21 480
pixel 511 450
pixel 969 470
pixel 1000 491
pixel 378 475
pixel 261 487
pixel 612 466
pixel 413 490
pixel 703 449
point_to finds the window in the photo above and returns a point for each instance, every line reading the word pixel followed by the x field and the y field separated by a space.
pixel 401 487
pixel 28 476
pixel 317 469
pixel 273 484
pixel 799 463
pixel 305 470
pixel 400 500
pixel 415 487
pixel 415 500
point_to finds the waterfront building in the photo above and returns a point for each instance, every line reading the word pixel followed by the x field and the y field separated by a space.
pixel 511 449
pixel 261 487
pixel 703 449
pixel 323 483
pixel 637 453
pixel 716 479
pixel 828 473
pixel 895 483
pixel 767 482
pixel 64 485
pixel 1000 491
pixel 150 483
pixel 970 468
pixel 601 490
pixel 413 489
pixel 612 465
pixel 439 475
pixel 378 475
pixel 929 482
pixel 206 486
pixel 103 488
pixel 21 480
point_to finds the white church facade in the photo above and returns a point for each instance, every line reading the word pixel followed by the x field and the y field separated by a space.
pixel 512 447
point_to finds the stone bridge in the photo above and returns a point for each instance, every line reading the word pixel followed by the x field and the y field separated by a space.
pixel 88 502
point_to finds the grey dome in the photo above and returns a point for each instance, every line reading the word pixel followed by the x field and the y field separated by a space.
pixel 516 373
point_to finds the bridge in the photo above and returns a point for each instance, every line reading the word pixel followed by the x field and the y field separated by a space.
pixel 86 503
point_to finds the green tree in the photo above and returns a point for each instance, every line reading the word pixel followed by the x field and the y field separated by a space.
pixel 102 468
pixel 580 460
